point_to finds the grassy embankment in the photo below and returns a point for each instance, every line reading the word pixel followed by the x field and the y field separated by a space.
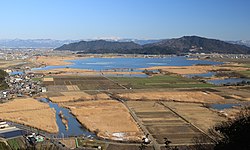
pixel 166 81
pixel 246 72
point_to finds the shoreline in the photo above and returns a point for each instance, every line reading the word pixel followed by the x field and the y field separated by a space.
pixel 52 60
pixel 68 71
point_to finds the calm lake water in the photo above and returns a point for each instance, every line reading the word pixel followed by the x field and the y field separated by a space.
pixel 128 64
pixel 227 106
pixel 223 106
pixel 228 81
pixel 205 75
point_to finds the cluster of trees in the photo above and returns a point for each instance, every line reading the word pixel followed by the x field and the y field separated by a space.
pixel 235 133
pixel 3 84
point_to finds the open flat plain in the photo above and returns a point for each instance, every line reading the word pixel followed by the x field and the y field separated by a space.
pixel 180 96
pixel 174 113
pixel 108 118
pixel 30 112
pixel 198 69
pixel 165 105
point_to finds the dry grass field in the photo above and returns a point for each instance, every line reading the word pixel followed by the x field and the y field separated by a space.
pixel 68 71
pixel 195 69
pixel 48 79
pixel 54 60
pixel 162 119
pixel 77 96
pixel 4 64
pixel 109 118
pixel 163 123
pixel 180 96
pixel 30 112
pixel 197 114
pixel 69 142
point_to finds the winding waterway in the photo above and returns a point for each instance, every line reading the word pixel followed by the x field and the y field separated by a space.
pixel 74 127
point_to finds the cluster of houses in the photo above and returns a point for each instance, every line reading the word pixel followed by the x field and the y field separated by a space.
pixel 9 132
pixel 22 84
pixel 225 56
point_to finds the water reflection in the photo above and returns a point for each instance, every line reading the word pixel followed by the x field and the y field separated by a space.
pixel 228 81
pixel 74 127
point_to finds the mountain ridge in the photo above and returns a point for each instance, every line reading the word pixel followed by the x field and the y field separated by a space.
pixel 185 44
pixel 33 43
pixel 97 45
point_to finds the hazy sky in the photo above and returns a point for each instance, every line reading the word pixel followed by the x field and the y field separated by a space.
pixel 144 19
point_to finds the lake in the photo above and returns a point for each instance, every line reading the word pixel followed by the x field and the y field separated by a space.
pixel 128 64
pixel 228 81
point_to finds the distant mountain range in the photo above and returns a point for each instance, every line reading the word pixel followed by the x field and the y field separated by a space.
pixel 33 43
pixel 49 43
pixel 137 41
pixel 185 44
pixel 241 42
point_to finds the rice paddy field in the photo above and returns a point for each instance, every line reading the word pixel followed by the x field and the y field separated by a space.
pixel 76 83
pixel 103 83
pixel 179 122
pixel 161 81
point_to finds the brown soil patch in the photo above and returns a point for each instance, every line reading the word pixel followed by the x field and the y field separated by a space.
pixel 197 96
pixel 48 79
pixel 109 118
pixel 69 142
pixel 30 112
pixel 231 112
pixel 74 96
pixel 73 88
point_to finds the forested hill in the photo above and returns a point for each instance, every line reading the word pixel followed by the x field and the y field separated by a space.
pixel 99 46
pixel 185 44
pixel 201 45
